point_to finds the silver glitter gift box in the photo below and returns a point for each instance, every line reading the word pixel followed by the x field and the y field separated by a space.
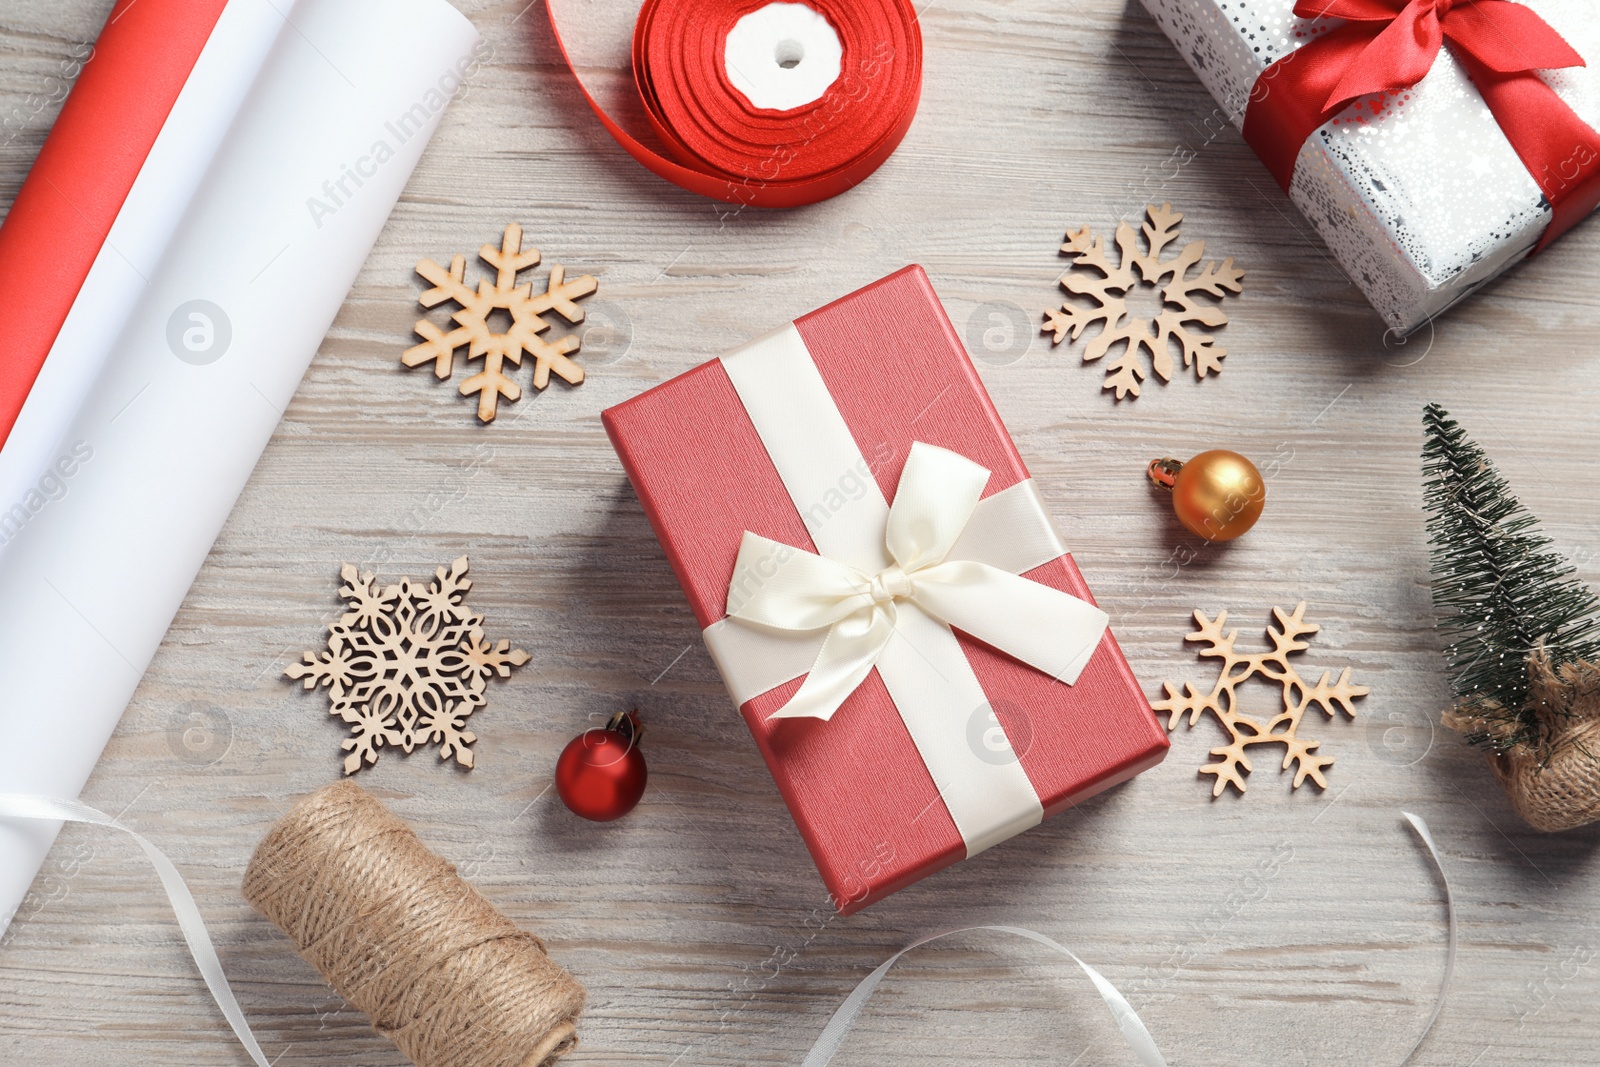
pixel 1421 203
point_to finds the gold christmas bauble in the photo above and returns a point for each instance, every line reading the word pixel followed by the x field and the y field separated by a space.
pixel 1217 495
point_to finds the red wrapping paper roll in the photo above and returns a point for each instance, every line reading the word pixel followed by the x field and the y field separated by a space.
pixel 73 194
pixel 726 148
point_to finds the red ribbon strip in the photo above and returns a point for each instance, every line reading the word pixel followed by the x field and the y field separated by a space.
pixel 729 150
pixel 1389 45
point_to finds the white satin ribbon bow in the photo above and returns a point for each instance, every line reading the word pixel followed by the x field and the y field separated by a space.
pixel 785 588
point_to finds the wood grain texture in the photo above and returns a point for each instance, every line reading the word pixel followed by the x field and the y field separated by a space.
pixel 1280 927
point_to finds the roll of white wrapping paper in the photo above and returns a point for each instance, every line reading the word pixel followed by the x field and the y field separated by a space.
pixel 195 128
pixel 332 113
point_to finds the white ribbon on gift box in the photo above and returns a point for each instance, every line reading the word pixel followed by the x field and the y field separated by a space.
pixel 889 584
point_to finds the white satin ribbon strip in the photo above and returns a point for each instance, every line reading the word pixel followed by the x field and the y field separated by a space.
pixel 827 477
pixel 1421 828
pixel 1127 1020
pixel 885 589
pixel 48 809
pixel 827 1044
pixel 938 697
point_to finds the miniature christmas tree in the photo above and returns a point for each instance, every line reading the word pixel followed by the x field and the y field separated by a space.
pixel 1524 633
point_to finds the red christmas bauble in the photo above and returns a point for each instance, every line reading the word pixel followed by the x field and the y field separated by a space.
pixel 601 773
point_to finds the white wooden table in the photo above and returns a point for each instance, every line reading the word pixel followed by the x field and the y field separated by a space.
pixel 698 923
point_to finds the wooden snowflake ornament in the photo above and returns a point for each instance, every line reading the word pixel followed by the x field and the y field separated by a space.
pixel 406 665
pixel 1182 310
pixel 1243 731
pixel 526 312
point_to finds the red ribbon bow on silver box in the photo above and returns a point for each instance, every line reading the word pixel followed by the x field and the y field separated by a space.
pixel 1390 45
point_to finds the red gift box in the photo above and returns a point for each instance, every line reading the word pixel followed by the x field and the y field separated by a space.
pixel 857 784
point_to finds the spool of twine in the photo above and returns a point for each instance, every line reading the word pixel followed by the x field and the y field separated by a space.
pixel 1555 784
pixel 401 936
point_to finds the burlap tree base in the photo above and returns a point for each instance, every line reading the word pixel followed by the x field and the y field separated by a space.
pixel 1555 783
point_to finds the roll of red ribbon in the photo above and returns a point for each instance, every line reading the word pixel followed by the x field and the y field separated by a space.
pixel 694 86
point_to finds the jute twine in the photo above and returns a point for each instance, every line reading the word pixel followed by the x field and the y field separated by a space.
pixel 393 928
pixel 1554 785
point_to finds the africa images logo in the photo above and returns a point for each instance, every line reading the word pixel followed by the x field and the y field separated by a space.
pixel 52 486
pixel 991 741
pixel 340 189
pixel 199 332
